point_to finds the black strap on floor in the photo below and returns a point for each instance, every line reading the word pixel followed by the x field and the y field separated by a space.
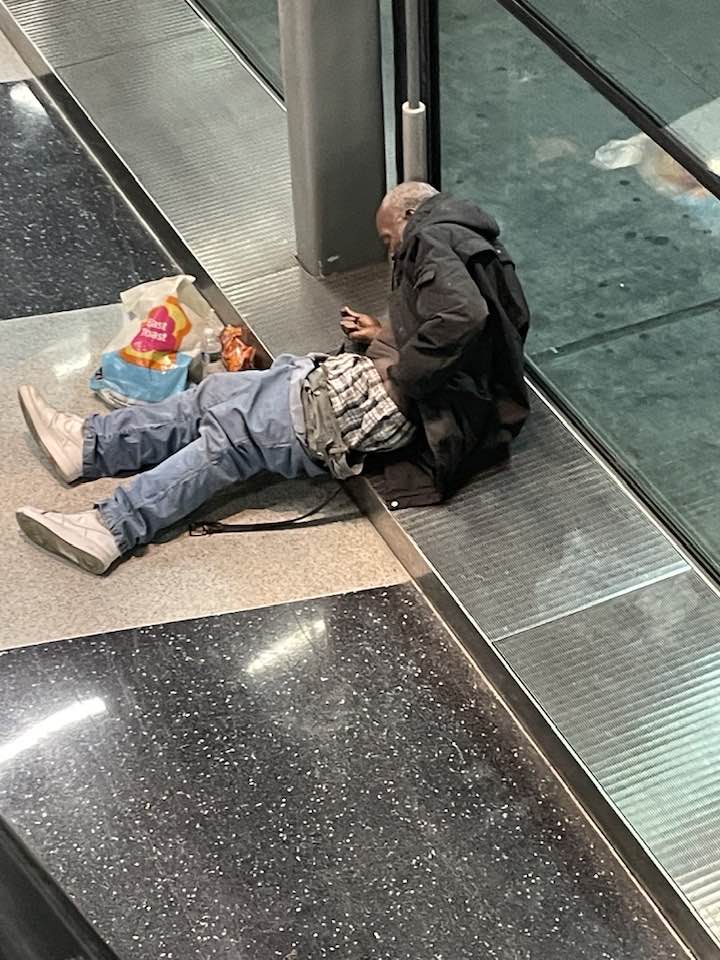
pixel 208 527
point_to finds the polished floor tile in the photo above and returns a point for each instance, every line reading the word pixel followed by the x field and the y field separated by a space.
pixel 45 598
pixel 321 779
pixel 597 249
pixel 661 419
pixel 37 921
pixel 68 238
pixel 665 53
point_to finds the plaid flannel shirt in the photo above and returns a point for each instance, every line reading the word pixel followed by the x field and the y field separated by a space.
pixel 369 420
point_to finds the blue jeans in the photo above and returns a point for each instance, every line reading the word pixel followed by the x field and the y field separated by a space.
pixel 199 443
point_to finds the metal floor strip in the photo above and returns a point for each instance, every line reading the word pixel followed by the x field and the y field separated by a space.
pixel 665 575
pixel 68 32
pixel 519 549
pixel 653 746
pixel 219 169
pixel 544 536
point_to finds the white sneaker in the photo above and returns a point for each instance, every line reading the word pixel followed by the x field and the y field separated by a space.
pixel 59 435
pixel 80 537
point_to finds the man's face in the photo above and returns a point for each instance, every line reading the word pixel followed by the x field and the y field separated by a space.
pixel 391 224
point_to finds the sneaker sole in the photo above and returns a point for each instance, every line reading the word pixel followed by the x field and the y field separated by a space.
pixel 30 423
pixel 46 538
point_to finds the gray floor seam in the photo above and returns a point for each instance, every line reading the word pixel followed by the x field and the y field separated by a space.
pixel 681 569
pixel 630 329
pixel 138 46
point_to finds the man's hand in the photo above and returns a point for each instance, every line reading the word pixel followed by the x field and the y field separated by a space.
pixel 359 327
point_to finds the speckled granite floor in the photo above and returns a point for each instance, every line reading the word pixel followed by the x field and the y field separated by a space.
pixel 68 239
pixel 318 779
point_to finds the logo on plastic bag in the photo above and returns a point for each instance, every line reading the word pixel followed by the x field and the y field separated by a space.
pixel 160 336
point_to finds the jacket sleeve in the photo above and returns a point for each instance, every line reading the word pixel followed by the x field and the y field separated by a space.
pixel 451 312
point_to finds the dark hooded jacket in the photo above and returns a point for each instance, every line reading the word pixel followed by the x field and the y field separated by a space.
pixel 459 320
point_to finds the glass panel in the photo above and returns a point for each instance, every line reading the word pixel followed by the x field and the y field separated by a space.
pixel 619 265
pixel 663 51
pixel 252 25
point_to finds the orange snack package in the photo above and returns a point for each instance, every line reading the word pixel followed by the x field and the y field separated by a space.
pixel 237 354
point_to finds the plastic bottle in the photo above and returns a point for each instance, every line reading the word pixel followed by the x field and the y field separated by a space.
pixel 211 352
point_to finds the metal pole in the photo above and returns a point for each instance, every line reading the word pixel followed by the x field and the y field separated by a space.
pixel 412 55
pixel 413 111
pixel 333 94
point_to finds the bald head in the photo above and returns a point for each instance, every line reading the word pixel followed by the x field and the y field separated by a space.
pixel 397 208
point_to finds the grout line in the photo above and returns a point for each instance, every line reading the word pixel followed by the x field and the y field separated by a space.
pixel 59 313
pixel 619 333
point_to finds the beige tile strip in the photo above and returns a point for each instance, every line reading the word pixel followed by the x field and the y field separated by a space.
pixel 46 599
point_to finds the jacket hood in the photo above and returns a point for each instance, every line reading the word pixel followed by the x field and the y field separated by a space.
pixel 446 209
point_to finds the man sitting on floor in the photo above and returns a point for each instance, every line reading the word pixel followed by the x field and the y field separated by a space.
pixel 436 393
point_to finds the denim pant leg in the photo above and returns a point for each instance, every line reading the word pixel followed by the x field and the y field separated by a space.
pixel 251 432
pixel 128 440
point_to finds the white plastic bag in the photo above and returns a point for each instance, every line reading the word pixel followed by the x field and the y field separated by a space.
pixel 700 129
pixel 164 322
